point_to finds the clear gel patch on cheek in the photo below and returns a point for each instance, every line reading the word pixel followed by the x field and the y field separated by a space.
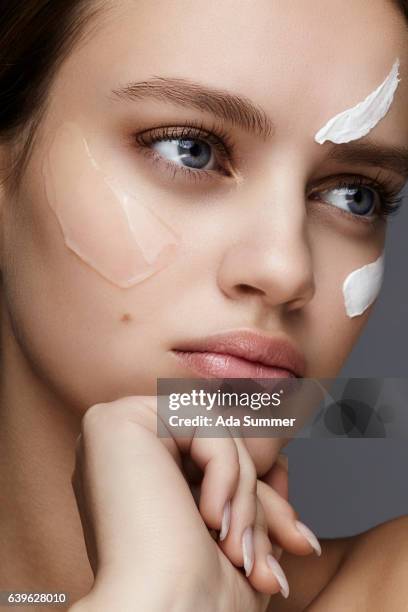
pixel 356 122
pixel 106 227
pixel 361 287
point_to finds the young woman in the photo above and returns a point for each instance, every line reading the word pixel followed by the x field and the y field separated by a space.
pixel 168 209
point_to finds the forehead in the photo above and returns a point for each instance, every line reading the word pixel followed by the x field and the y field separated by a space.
pixel 292 55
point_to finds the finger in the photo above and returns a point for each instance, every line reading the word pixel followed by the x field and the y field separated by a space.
pixel 218 459
pixel 126 461
pixel 80 498
pixel 267 575
pixel 141 410
pixel 239 542
pixel 277 477
pixel 283 524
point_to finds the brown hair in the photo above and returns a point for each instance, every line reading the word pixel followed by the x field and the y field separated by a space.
pixel 403 5
pixel 35 37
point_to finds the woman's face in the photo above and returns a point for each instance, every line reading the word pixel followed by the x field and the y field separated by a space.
pixel 251 238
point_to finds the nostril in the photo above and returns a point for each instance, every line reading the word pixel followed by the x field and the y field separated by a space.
pixel 296 304
pixel 249 289
pixel 301 301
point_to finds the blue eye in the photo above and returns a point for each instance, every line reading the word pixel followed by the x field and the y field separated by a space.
pixel 359 200
pixel 193 153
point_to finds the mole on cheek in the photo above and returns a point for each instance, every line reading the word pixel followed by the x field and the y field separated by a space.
pixel 126 318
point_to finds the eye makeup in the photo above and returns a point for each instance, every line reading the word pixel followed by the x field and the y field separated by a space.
pixel 108 228
pixel 385 193
pixel 159 144
pixel 356 122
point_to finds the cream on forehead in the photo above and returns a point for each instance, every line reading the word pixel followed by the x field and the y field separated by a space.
pixel 361 287
pixel 109 229
pixel 358 121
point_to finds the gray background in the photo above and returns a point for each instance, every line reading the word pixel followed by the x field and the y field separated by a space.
pixel 344 486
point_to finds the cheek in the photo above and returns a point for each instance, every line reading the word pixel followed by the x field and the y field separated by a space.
pixel 90 342
pixel 90 339
pixel 348 274
pixel 362 287
pixel 109 229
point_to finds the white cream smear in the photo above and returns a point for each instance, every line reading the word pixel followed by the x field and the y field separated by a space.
pixel 105 226
pixel 361 287
pixel 356 122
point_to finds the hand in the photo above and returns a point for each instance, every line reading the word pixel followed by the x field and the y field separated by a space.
pixel 147 543
pixel 118 426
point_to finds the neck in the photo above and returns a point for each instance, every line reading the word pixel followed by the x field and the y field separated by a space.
pixel 43 547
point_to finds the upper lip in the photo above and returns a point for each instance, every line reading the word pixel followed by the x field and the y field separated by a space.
pixel 253 346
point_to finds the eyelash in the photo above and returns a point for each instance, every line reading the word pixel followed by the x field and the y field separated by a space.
pixel 388 193
pixel 390 200
pixel 219 139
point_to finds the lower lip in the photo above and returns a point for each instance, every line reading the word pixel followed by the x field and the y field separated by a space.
pixel 219 365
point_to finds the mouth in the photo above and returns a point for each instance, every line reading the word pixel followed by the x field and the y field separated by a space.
pixel 241 354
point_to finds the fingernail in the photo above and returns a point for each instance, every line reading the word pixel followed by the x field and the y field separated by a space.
pixel 226 521
pixel 283 461
pixel 248 550
pixel 310 537
pixel 279 575
pixel 277 552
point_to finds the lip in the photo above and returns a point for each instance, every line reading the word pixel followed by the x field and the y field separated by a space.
pixel 242 354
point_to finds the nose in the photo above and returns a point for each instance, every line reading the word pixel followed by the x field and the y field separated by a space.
pixel 270 258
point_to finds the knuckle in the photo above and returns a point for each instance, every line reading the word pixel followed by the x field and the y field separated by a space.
pixel 118 416
pixel 260 530
pixel 93 418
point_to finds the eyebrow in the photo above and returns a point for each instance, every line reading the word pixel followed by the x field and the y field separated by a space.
pixel 241 112
pixel 237 110
pixel 373 154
